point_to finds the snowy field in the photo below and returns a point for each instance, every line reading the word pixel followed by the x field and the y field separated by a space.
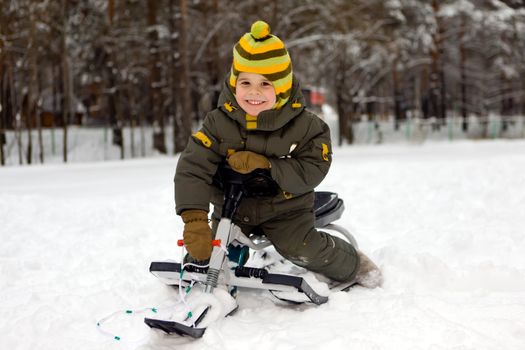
pixel 445 222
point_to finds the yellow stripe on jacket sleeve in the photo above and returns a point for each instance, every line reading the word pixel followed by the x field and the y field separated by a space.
pixel 205 140
pixel 325 152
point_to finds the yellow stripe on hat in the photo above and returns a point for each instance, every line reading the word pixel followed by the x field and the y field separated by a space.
pixel 233 79
pixel 271 61
pixel 285 87
pixel 261 70
pixel 260 48
pixel 283 81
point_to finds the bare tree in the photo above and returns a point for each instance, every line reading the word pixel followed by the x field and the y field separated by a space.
pixel 463 73
pixel 3 88
pixel 66 86
pixel 155 83
pixel 184 117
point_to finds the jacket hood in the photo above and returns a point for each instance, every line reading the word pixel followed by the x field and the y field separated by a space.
pixel 269 120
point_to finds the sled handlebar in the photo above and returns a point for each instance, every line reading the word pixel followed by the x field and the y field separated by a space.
pixel 214 242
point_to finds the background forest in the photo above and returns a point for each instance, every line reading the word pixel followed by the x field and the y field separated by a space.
pixel 158 65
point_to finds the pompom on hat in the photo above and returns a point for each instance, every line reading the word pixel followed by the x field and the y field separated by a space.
pixel 263 53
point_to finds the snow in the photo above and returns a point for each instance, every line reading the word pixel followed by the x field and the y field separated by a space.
pixel 444 221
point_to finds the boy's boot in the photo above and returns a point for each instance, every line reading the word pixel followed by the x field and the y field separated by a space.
pixel 368 274
pixel 195 265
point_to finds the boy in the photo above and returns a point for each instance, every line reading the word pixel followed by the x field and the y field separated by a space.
pixel 261 123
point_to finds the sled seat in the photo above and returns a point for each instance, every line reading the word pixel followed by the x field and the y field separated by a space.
pixel 328 207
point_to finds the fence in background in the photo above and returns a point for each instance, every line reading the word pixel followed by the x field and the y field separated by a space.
pixel 95 144
pixel 421 130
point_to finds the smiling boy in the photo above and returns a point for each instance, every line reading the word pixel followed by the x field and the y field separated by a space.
pixel 261 123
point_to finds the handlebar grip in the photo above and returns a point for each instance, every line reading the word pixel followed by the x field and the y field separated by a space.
pixel 214 243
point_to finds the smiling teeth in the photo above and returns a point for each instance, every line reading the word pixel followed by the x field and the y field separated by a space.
pixel 254 102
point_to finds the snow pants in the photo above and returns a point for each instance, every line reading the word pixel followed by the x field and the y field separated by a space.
pixel 294 236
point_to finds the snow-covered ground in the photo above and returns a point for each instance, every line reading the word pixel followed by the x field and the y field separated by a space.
pixel 445 222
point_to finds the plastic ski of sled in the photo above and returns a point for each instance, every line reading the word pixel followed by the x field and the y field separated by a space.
pixel 169 273
pixel 179 328
pixel 193 316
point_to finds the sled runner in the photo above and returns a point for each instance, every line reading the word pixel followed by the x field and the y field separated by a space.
pixel 214 286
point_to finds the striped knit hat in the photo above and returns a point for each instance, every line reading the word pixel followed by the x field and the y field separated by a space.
pixel 263 53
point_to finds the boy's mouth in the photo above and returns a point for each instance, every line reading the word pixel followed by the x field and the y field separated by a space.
pixel 255 102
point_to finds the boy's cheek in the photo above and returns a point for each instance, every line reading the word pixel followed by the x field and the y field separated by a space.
pixel 239 101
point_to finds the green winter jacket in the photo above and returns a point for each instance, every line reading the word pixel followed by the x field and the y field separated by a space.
pixel 296 142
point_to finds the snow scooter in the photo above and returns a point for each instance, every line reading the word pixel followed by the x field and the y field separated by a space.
pixel 214 286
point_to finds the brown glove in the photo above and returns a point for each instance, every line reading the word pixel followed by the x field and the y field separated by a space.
pixel 197 233
pixel 245 162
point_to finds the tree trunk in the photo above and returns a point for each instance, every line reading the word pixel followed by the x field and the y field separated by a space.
pixel 437 107
pixel 442 82
pixel 142 132
pixel 28 116
pixel 120 120
pixel 3 110
pixel 443 91
pixel 417 97
pixel 55 73
pixel 397 95
pixel 3 98
pixel 173 73
pixel 132 123
pixel 184 122
pixel 32 93
pixel 343 105
pixel 159 142
pixel 15 112
pixel 111 11
pixel 115 120
pixel 38 116
pixel 523 95
pixel 341 113
pixel 463 75
pixel 341 116
pixel 66 88
pixel 215 68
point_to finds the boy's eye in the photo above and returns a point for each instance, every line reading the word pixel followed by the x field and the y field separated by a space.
pixel 245 83
pixel 266 83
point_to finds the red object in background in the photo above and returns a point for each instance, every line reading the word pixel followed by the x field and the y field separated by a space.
pixel 316 98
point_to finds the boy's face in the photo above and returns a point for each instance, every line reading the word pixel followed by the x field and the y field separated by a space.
pixel 254 93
